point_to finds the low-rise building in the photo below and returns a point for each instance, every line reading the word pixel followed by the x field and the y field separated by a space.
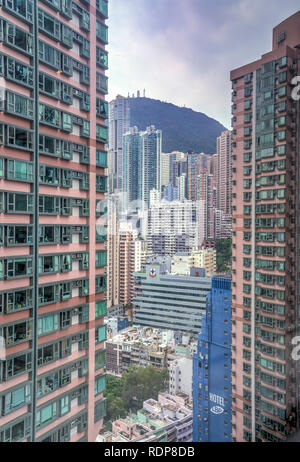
pixel 143 347
pixel 116 324
pixel 197 258
pixel 169 419
pixel 181 376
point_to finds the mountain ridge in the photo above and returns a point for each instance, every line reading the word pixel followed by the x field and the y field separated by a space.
pixel 183 128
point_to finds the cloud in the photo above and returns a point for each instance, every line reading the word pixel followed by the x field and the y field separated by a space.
pixel 182 51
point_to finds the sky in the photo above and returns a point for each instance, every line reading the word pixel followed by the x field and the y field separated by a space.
pixel 182 51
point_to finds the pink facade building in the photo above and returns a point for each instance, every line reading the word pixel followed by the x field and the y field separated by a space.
pixel 52 186
pixel 265 234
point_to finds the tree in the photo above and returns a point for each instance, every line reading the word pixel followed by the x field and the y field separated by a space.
pixel 143 383
pixel 224 255
pixel 130 391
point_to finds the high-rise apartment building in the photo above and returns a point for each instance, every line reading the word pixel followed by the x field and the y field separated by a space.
pixel 129 262
pixel 174 227
pixel 224 165
pixel 119 123
pixel 165 168
pixel 142 164
pixel 265 234
pixel 113 252
pixel 52 169
pixel 205 194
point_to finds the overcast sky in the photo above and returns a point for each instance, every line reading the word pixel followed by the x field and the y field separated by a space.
pixel 182 51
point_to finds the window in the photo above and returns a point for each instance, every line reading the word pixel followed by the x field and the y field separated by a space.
pixel 19 170
pixel 101 183
pixel 17 431
pixel 102 8
pixel 83 314
pixel 247 104
pixel 102 133
pixel 49 85
pixel 49 115
pixel 47 384
pixel 17 333
pixel 101 258
pixel 101 108
pixel 49 25
pixel 49 264
pixel 67 123
pixel 19 203
pixel 48 294
pixel 100 334
pixel 49 55
pixel 19 72
pixel 101 233
pixel 18 137
pixel 66 264
pixel 100 384
pixel 101 31
pixel 101 158
pixel 100 359
pixel 101 58
pixel 18 300
pixel 100 309
pixel 100 410
pixel 49 205
pixel 67 36
pixel 49 175
pixel 19 105
pixel 66 8
pixel 19 8
pixel 85 48
pixel 102 83
pixel 100 284
pixel 19 267
pixel 85 129
pixel 16 399
pixel 64 405
pixel 18 38
pixel 46 414
pixel 19 235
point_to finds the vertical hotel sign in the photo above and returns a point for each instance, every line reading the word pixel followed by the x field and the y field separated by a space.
pixel 217 404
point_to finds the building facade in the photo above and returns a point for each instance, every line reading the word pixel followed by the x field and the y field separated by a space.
pixel 168 301
pixel 181 376
pixel 224 184
pixel 174 227
pixel 265 234
pixel 212 368
pixel 119 123
pixel 52 168
pixel 129 262
pixel 142 164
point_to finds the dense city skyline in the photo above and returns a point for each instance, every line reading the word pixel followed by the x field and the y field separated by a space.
pixel 199 42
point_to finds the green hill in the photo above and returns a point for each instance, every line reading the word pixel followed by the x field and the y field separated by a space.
pixel 183 129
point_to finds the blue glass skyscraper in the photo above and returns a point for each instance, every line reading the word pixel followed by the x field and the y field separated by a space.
pixel 212 368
